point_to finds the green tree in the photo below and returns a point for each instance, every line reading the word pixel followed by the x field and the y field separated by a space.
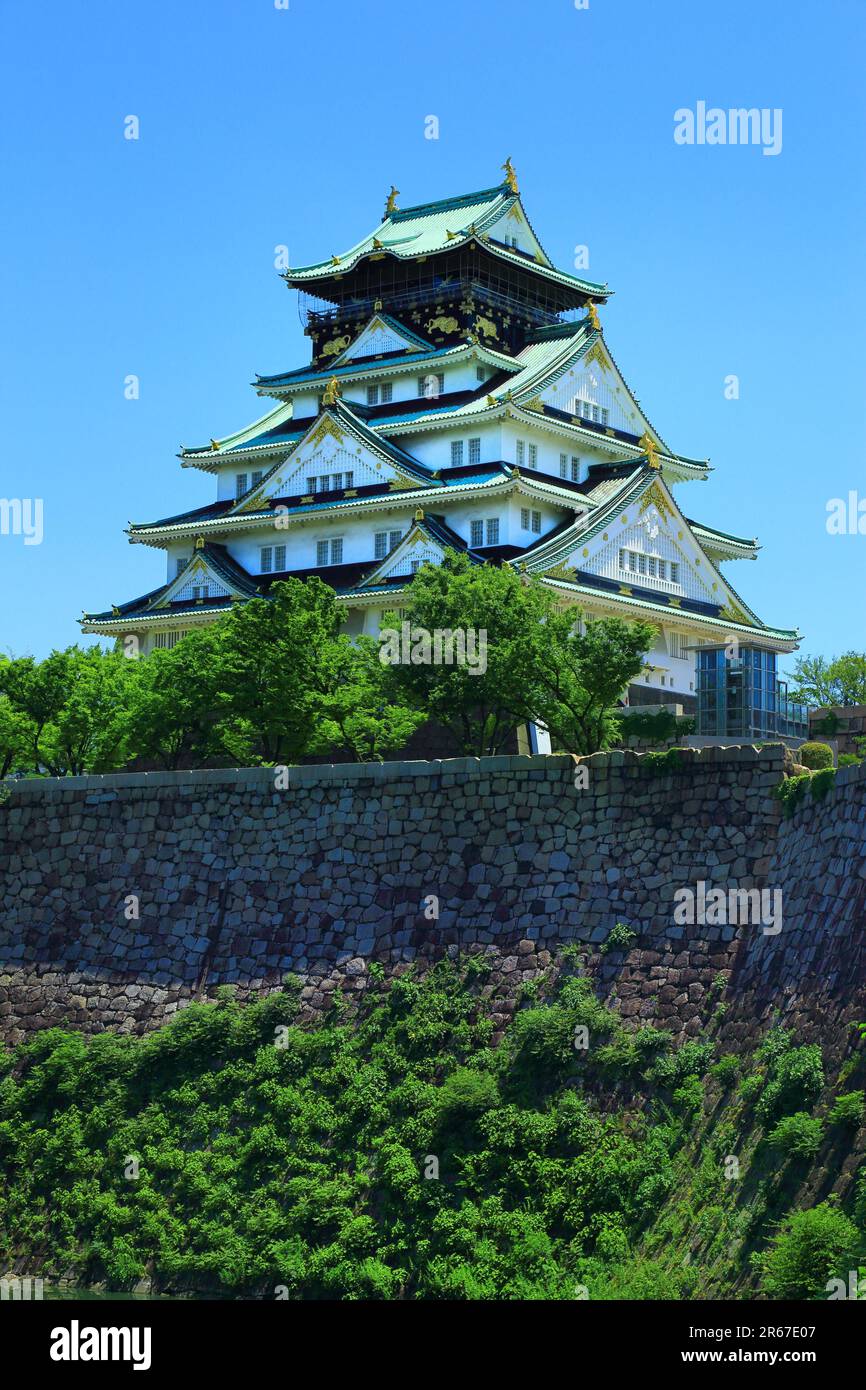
pixel 90 732
pixel 75 707
pixel 581 675
pixel 538 667
pixel 481 704
pixel 810 1248
pixel 840 681
pixel 37 690
pixel 173 715
pixel 16 738
pixel 271 655
pixel 351 709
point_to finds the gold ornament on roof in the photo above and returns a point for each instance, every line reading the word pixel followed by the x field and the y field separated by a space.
pixel 391 205
pixel 199 542
pixel 419 514
pixel 332 392
pixel 214 444
pixel 591 309
pixel 650 448
pixel 510 176
pixel 335 260
pixel 377 243
pixel 115 611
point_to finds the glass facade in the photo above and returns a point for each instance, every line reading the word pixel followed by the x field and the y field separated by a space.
pixel 741 696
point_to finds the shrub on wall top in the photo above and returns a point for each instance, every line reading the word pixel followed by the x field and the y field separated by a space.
pixel 815 755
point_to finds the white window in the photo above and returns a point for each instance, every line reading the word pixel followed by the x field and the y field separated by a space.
pixel 456 453
pixel 256 478
pixel 329 552
pixel 563 465
pixel 676 644
pixel 325 483
pixel 675 572
pixel 641 564
pixel 267 559
pixel 380 545
pixel 395 538
pixel 350 480
pixel 604 416
pixel 279 557
pixel 622 560
pixel 180 564
pixel 533 455
pixel 414 566
pixel 240 484
pixel 663 569
pixel 372 395
pixel 524 518
pixel 476 533
pixel 651 566
pixel 575 469
pixel 632 561
pixel 337 482
pixel 493 530
pixel 536 522
pixel 199 591
pixel 475 451
pixel 387 392
pixel 311 484
pixel 521 451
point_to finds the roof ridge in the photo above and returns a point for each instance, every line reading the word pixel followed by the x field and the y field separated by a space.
pixel 437 204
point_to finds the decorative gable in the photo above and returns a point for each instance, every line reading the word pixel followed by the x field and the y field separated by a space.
pixel 381 335
pixel 649 545
pixel 197 580
pixel 593 389
pixel 414 550
pixel 514 227
pixel 328 451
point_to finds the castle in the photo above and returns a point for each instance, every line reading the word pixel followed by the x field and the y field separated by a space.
pixel 461 394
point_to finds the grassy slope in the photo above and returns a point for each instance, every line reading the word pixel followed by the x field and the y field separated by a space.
pixel 402 1154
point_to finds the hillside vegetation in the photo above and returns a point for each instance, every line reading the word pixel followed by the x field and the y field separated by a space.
pixel 400 1153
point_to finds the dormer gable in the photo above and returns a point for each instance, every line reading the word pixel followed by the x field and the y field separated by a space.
pixel 513 230
pixel 338 453
pixel 381 335
pixel 203 578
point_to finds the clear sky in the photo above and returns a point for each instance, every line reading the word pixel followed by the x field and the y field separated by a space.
pixel 261 126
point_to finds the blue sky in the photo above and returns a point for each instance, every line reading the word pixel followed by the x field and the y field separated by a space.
pixel 261 126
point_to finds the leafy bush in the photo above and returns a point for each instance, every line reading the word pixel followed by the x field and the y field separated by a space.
pixel 815 755
pixel 620 938
pixel 848 1110
pixel 799 1135
pixel 795 1080
pixel 810 1248
pixel 726 1070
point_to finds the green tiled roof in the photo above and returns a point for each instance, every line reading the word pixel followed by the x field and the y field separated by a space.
pixel 427 228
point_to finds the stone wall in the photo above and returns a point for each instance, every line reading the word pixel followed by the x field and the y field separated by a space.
pixel 124 897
